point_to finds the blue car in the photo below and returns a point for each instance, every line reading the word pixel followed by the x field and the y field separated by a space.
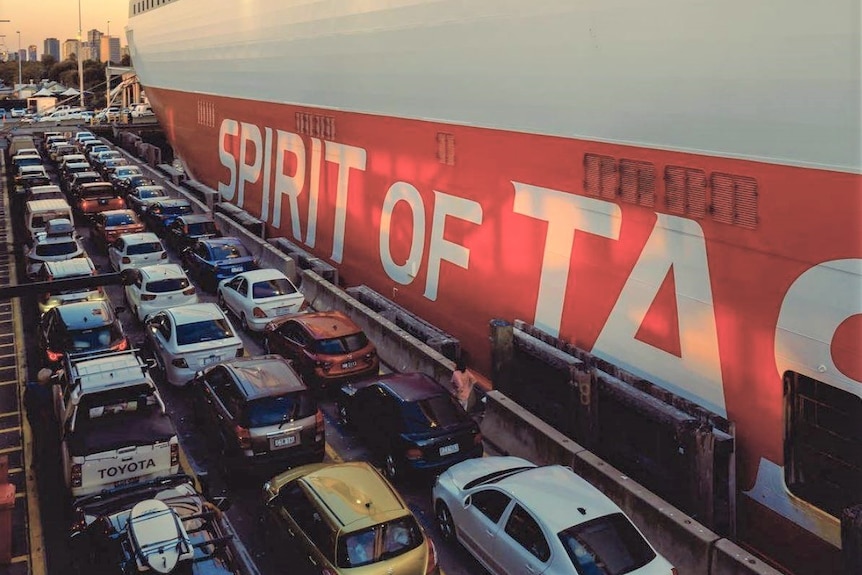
pixel 211 260
pixel 159 215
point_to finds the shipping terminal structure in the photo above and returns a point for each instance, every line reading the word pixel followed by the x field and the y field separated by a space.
pixel 673 186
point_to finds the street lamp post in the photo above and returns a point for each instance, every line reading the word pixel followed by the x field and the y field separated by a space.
pixel 80 58
pixel 19 59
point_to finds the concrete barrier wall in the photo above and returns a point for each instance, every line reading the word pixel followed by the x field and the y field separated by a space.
pixel 728 558
pixel 396 348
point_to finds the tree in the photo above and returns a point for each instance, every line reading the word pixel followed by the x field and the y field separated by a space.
pixel 47 61
pixel 126 60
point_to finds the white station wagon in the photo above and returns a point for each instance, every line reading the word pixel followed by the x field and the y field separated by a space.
pixel 158 287
pixel 136 251
pixel 186 339
pixel 257 297
pixel 515 517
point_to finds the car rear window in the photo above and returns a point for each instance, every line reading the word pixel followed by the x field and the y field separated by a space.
pixel 143 194
pixel 198 331
pixel 436 412
pixel 608 545
pixel 279 409
pixel 98 192
pixel 339 345
pixel 202 228
pixel 143 248
pixel 119 220
pixel 168 284
pixel 378 543
pixel 272 288
pixel 56 249
pixel 176 210
pixel 229 251
pixel 94 339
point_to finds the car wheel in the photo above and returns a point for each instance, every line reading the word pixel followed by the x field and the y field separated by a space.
pixel 221 302
pixel 444 522
pixel 390 468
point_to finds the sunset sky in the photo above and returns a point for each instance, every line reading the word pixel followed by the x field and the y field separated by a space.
pixel 40 19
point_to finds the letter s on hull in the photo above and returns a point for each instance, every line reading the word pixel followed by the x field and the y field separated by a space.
pixel 227 158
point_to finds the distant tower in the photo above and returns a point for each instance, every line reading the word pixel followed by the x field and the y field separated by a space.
pixel 94 39
pixel 52 48
pixel 31 53
pixel 109 50
pixel 70 47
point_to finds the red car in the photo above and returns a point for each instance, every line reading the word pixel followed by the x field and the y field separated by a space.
pixel 95 197
pixel 325 347
pixel 109 225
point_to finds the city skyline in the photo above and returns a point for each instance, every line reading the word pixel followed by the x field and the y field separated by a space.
pixel 59 19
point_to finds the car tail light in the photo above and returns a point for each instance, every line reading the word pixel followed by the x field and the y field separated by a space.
pixel 126 260
pixel 189 291
pixel 240 352
pixel 148 296
pixel 164 256
pixel 179 362
pixel 413 453
pixel 54 356
pixel 324 365
pixel 243 436
pixel 369 357
pixel 77 475
pixel 257 312
pixel 477 439
pixel 175 454
pixel 431 566
pixel 122 346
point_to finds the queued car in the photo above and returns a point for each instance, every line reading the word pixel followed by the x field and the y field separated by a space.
pixel 79 327
pixel 78 179
pixel 186 230
pixel 349 519
pixel 515 517
pixel 31 176
pixel 257 297
pixel 71 168
pixel 49 192
pixel 140 197
pixel 212 260
pixel 123 172
pixel 165 521
pixel 26 157
pixel 324 346
pixel 159 215
pixel 411 423
pixel 111 224
pixel 186 339
pixel 57 151
pixel 67 269
pixel 94 149
pixel 109 166
pixel 158 287
pixel 259 413
pixel 129 183
pixel 135 251
pixel 58 242
pixel 95 197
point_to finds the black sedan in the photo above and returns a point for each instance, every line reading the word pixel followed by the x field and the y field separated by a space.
pixel 129 183
pixel 411 423
pixel 159 215
pixel 141 197
pixel 186 230
pixel 211 260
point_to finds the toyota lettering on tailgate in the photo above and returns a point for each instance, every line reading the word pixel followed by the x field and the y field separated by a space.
pixel 124 468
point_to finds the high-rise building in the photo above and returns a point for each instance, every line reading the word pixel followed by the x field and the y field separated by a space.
pixel 52 48
pixel 94 39
pixel 22 55
pixel 70 47
pixel 109 50
pixel 31 53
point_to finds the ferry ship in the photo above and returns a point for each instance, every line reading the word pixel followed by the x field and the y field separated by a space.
pixel 672 185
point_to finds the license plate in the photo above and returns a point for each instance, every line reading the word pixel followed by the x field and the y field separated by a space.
pixel 211 359
pixel 449 449
pixel 103 202
pixel 348 364
pixel 282 310
pixel 236 270
pixel 279 442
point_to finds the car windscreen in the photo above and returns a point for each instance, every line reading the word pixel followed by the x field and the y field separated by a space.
pixel 143 248
pixel 207 330
pixel 438 412
pixel 167 285
pixel 608 545
pixel 272 288
pixel 228 251
pixel 202 228
pixel 94 338
pixel 119 220
pixel 378 543
pixel 56 249
pixel 338 345
pixel 279 409
pixel 176 210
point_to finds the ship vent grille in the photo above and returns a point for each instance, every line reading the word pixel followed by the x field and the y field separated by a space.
pixel 637 182
pixel 446 148
pixel 685 191
pixel 734 200
pixel 601 177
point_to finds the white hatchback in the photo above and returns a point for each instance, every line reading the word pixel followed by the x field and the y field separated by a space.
pixel 257 297
pixel 186 339
pixel 158 287
pixel 515 517
pixel 136 251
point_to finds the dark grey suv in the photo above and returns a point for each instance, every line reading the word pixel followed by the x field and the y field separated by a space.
pixel 258 411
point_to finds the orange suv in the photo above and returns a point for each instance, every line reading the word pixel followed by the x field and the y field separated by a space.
pixel 325 347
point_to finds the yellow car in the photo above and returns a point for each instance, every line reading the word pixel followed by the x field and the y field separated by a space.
pixel 350 520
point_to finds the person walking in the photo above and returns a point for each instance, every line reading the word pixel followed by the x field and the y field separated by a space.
pixel 462 384
pixel 37 403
